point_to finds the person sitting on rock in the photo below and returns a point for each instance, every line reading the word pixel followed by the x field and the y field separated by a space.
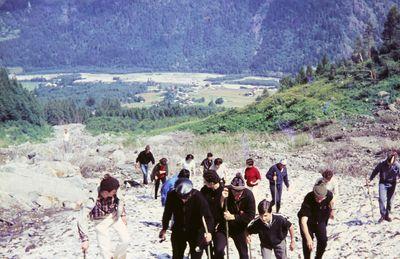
pixel 159 173
pixel 107 211
pixel 389 172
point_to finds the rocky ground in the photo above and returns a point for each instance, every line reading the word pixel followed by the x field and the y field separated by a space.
pixel 38 196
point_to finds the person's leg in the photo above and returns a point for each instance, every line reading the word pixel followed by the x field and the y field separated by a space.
pixel 322 240
pixel 382 199
pixel 266 253
pixel 219 240
pixel 278 197
pixel 103 237
pixel 144 168
pixel 390 197
pixel 178 245
pixel 241 245
pixel 156 186
pixel 272 189
pixel 280 250
pixel 122 230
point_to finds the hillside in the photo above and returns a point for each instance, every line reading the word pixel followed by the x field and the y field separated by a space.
pixel 220 36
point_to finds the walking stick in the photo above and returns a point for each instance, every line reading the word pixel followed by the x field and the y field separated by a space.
pixel 276 191
pixel 206 229
pixel 227 231
pixel 251 257
pixel 370 199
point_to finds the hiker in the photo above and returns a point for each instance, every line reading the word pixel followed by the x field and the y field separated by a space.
pixel 207 162
pixel 159 173
pixel 66 143
pixel 107 211
pixel 313 217
pixel 272 230
pixel 277 175
pixel 331 184
pixel 188 164
pixel 188 207
pixel 212 191
pixel 252 176
pixel 143 160
pixel 389 172
pixel 220 168
pixel 240 211
pixel 170 183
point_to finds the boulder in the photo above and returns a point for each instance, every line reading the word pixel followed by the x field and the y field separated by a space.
pixel 57 168
pixel 118 157
pixel 91 165
pixel 383 94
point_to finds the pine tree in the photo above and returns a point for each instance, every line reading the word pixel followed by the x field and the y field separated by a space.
pixel 309 74
pixel 301 77
pixel 391 31
pixel 368 38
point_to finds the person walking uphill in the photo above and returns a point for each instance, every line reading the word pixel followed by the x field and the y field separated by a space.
pixel 240 211
pixel 272 231
pixel 169 185
pixel 106 211
pixel 207 162
pixel 277 175
pixel 159 174
pixel 143 160
pixel 189 208
pixel 389 172
pixel 313 216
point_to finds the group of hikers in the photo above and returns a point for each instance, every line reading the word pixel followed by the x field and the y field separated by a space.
pixel 226 208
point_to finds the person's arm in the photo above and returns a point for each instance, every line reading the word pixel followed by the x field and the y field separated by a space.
pixel 286 179
pixel 206 213
pixel 139 158
pixel 270 173
pixel 292 241
pixel 152 158
pixel 375 172
pixel 167 214
pixel 83 222
pixel 249 212
pixel 306 232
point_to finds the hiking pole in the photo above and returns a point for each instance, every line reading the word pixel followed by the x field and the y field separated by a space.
pixel 251 257
pixel 206 229
pixel 227 231
pixel 370 198
pixel 276 191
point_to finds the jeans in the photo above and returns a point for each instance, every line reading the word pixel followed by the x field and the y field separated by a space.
pixel 319 230
pixel 386 195
pixel 103 237
pixel 279 251
pixel 278 196
pixel 145 171
pixel 239 239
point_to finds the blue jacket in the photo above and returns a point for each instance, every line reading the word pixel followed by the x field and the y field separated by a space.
pixel 281 176
pixel 167 187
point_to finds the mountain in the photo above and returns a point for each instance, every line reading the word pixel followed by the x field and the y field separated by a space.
pixel 224 36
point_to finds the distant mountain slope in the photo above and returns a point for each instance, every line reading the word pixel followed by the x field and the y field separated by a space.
pixel 206 35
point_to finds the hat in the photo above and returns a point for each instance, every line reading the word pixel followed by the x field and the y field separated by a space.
pixel 320 189
pixel 183 187
pixel 238 182
pixel 211 176
pixel 283 162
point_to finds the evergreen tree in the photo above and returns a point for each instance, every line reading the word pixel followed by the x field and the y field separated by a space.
pixel 391 31
pixel 301 77
pixel 309 74
pixel 368 38
pixel 286 82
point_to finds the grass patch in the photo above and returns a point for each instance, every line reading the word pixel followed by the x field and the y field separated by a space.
pixel 18 132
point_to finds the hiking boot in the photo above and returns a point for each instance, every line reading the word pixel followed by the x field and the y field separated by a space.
pixel 381 219
pixel 388 219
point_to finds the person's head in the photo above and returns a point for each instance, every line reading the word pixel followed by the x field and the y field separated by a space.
pixel 211 179
pixel 391 157
pixel 282 164
pixel 210 156
pixel 327 174
pixel 108 187
pixel 320 191
pixel 238 185
pixel 189 158
pixel 147 149
pixel 218 162
pixel 163 161
pixel 249 162
pixel 265 210
pixel 184 173
pixel 183 188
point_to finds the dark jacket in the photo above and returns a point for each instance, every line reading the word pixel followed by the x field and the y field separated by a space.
pixel 145 158
pixel 244 210
pixel 156 171
pixel 316 212
pixel 270 236
pixel 213 198
pixel 281 176
pixel 187 216
pixel 387 173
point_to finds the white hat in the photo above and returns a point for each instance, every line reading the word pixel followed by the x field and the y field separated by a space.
pixel 283 162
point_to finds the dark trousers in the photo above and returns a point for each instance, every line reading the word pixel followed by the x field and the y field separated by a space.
pixel 157 185
pixel 179 239
pixel 319 231
pixel 220 240
pixel 278 196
